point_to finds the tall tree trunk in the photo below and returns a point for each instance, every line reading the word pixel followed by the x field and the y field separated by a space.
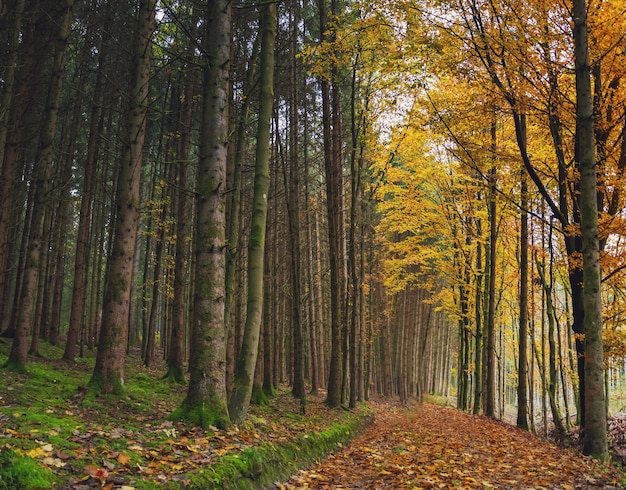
pixel 314 319
pixel 42 174
pixel 490 347
pixel 175 356
pixel 81 259
pixel 17 119
pixel 292 182
pixel 522 369
pixel 334 193
pixel 478 309
pixel 246 361
pixel 356 164
pixel 11 75
pixel 552 378
pixel 205 403
pixel 150 339
pixel 108 373
pixel 595 435
pixel 234 210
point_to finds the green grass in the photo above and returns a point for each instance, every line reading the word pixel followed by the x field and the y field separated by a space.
pixel 20 471
pixel 55 430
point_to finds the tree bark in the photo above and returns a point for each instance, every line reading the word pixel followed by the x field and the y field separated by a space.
pixel 11 76
pixel 595 434
pixel 490 347
pixel 246 361
pixel 175 356
pixel 522 367
pixel 108 373
pixel 334 193
pixel 42 175
pixel 205 403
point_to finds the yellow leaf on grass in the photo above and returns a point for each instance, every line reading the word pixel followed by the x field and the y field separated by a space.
pixel 36 453
pixel 123 459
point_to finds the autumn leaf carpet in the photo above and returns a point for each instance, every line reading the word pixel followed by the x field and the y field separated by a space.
pixel 431 446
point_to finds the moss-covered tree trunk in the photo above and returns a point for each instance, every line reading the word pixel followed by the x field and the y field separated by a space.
pixel 205 403
pixel 595 432
pixel 246 361
pixel 108 373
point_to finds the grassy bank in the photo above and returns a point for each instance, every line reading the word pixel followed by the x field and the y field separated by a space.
pixel 57 435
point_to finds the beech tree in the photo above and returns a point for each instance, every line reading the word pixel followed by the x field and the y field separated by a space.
pixel 595 439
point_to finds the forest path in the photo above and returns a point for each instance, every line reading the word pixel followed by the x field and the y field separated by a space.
pixel 431 446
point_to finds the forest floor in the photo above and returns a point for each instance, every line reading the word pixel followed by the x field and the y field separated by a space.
pixel 433 446
pixel 54 434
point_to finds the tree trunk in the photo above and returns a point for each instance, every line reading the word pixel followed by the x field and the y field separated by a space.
pixel 175 356
pixel 108 373
pixel 522 369
pixel 42 174
pixel 334 195
pixel 292 183
pixel 246 361
pixel 11 75
pixel 595 435
pixel 552 375
pixel 490 347
pixel 478 309
pixel 205 403
pixel 234 211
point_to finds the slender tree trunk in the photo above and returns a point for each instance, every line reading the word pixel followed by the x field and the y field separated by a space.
pixel 292 183
pixel 490 380
pixel 246 361
pixel 150 340
pixel 268 309
pixel 552 375
pixel 314 319
pixel 175 356
pixel 595 435
pixel 11 75
pixel 108 373
pixel 234 211
pixel 42 174
pixel 334 195
pixel 522 369
pixel 478 308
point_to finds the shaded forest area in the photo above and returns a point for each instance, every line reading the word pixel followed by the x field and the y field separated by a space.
pixel 339 195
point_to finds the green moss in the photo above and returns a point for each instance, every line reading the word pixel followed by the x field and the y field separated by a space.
pixel 261 466
pixel 15 366
pixel 259 396
pixel 17 471
pixel 175 375
pixel 202 416
pixel 98 385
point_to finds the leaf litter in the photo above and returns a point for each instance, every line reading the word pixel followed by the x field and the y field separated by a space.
pixel 118 443
pixel 432 446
